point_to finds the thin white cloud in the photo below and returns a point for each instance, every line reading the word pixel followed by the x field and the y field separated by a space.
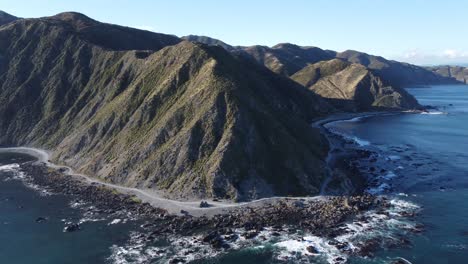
pixel 411 54
pixel 446 56
pixel 454 54
pixel 450 53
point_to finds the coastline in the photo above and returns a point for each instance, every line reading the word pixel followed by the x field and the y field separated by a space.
pixel 310 220
pixel 345 177
pixel 155 199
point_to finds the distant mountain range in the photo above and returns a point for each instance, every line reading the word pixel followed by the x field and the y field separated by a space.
pixel 389 76
pixel 194 118
pixel 287 59
pixel 457 72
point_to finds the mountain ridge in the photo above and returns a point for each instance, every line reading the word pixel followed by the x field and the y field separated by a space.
pixel 188 119
pixel 209 41
pixel 378 81
pixel 287 59
pixel 6 18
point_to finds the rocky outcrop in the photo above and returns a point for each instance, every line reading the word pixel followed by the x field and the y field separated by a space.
pixel 457 73
pixel 209 41
pixel 353 87
pixel 148 110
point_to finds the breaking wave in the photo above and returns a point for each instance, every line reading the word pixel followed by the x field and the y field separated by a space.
pixel 14 172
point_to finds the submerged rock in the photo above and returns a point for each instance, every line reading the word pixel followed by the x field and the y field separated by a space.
pixel 176 261
pixel 40 219
pixel 72 228
pixel 211 236
pixel 312 250
pixel 250 235
pixel 400 261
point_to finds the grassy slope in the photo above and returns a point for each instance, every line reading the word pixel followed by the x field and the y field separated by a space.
pixel 185 118
pixel 353 86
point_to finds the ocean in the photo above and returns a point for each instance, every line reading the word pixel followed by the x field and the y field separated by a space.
pixel 426 157
pixel 419 163
pixel 32 223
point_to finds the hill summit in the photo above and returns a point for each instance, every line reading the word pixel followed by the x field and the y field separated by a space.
pixel 6 18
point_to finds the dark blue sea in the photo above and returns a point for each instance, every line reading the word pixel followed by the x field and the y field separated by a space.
pixel 426 158
pixel 25 238
pixel 421 165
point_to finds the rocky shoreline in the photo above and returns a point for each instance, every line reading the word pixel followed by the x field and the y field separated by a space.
pixel 345 178
pixel 311 215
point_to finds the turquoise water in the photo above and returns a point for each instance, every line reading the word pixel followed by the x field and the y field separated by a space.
pixel 429 155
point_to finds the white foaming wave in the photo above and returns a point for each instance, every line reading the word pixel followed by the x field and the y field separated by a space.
pixel 288 247
pixel 402 205
pixel 17 174
pixel 359 141
pixel 383 187
pixel 14 169
pixel 457 246
pixel 125 255
pixel 434 113
pixel 10 167
pixel 330 253
pixel 383 227
pixel 355 119
pixel 389 175
pixel 134 252
pixel 91 218
pixel 393 157
pixel 77 204
pixel 37 188
pixel 188 249
pixel 116 221
pixel 351 120
pixel 89 213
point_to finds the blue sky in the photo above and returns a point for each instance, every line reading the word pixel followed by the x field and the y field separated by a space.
pixel 416 31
